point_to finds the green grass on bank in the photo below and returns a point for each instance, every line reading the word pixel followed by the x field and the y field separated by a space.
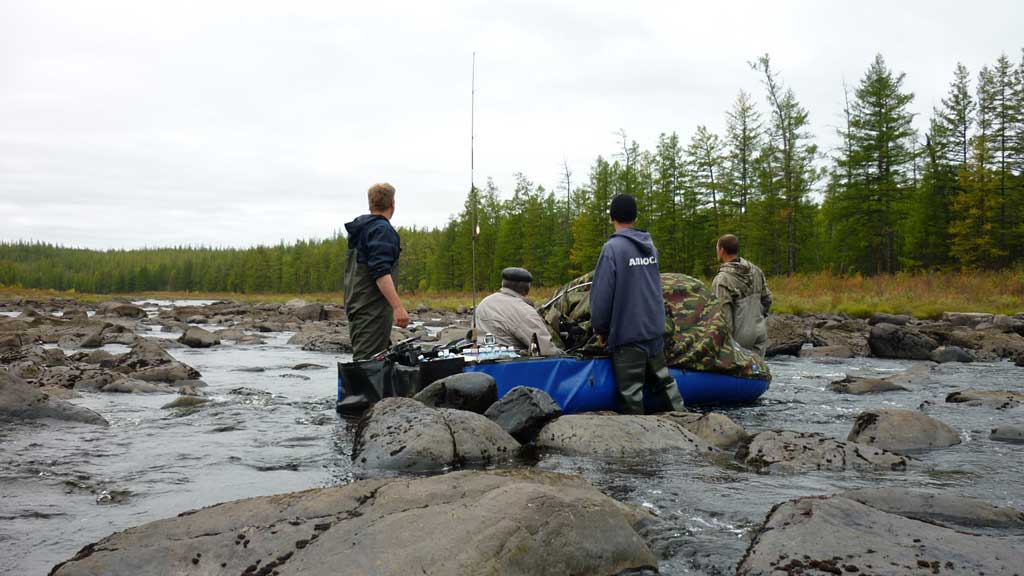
pixel 921 295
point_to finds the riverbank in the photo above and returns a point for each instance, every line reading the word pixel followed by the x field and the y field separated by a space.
pixel 921 295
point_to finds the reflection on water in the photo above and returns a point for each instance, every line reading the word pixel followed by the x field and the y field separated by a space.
pixel 64 485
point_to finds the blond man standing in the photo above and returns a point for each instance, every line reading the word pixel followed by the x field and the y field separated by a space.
pixel 371 276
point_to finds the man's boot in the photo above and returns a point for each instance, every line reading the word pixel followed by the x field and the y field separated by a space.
pixel 630 366
pixel 664 384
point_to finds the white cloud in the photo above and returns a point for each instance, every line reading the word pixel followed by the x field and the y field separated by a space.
pixel 232 123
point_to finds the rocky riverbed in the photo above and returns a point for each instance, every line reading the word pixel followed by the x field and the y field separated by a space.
pixel 124 415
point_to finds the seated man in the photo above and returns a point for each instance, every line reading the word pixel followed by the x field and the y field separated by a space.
pixel 510 318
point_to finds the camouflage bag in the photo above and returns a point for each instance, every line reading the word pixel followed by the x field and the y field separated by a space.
pixel 697 336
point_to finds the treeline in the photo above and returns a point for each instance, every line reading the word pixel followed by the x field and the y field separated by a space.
pixel 887 199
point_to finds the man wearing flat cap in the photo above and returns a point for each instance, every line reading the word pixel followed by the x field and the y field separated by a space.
pixel 627 310
pixel 510 318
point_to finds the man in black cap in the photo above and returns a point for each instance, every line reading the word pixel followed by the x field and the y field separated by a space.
pixel 510 318
pixel 628 311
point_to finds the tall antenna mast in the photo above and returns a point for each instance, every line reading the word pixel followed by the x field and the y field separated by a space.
pixel 472 180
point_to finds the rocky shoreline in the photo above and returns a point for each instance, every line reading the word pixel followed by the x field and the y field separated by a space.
pixel 514 518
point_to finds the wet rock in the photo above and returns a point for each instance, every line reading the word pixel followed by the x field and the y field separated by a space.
pixel 968 319
pixel 940 509
pixel 619 436
pixel 22 401
pixel 944 354
pixel 840 351
pixel 716 429
pixel 120 309
pixel 294 376
pixel 310 312
pixel 854 384
pixel 523 411
pixel 786 335
pixel 337 342
pixel 196 337
pixel 894 319
pixel 837 535
pixel 230 334
pixel 999 399
pixel 148 361
pixel 308 366
pixel 891 341
pixel 99 357
pixel 902 430
pixel 133 386
pixel 467 522
pixel 858 385
pixel 196 320
pixel 983 345
pixel 787 451
pixel 1012 434
pixel 186 401
pixel 402 434
pixel 472 391
pixel 9 341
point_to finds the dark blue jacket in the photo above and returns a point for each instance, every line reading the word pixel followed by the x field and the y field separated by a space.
pixel 376 243
pixel 626 304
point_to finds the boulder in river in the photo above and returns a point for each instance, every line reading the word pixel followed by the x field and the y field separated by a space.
pixel 467 522
pixel 402 434
pixel 838 351
pixel 894 319
pixel 1012 434
pixel 619 436
pixel 839 535
pixel 944 509
pixel 892 341
pixel 999 399
pixel 787 451
pixel 523 411
pixel 196 337
pixel 22 401
pixel 859 385
pixel 337 342
pixel 786 335
pixel 473 391
pixel 946 354
pixel 902 430
pixel 120 309
pixel 716 429
pixel 148 361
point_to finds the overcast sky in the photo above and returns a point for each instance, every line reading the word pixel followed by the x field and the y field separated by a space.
pixel 129 124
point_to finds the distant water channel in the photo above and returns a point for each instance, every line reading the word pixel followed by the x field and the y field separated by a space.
pixel 63 486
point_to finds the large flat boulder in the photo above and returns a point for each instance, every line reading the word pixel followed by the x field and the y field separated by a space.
pixel 943 509
pixel 892 341
pixel 148 361
pixel 468 522
pixel 837 535
pixel 787 451
pixel 716 429
pixel 999 399
pixel 22 401
pixel 902 430
pixel 619 436
pixel 196 337
pixel 402 434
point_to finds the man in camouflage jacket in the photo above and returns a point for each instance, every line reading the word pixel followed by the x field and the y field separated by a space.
pixel 745 297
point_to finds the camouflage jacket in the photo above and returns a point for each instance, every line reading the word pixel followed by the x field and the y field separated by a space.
pixel 744 293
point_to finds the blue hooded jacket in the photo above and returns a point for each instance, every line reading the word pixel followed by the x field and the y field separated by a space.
pixel 376 242
pixel 626 303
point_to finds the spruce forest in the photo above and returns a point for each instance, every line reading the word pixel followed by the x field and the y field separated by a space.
pixel 887 199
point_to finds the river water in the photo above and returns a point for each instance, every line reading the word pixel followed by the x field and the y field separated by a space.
pixel 65 485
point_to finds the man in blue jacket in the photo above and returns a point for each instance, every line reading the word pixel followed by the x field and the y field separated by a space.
pixel 371 299
pixel 628 312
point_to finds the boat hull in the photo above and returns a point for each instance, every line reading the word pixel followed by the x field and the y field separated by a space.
pixel 589 385
pixel 580 385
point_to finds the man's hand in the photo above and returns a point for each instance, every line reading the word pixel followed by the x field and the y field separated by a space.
pixel 600 341
pixel 401 317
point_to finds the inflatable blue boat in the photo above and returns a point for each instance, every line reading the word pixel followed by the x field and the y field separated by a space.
pixel 577 384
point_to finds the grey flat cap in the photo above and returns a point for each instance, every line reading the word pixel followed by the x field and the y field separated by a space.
pixel 516 275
